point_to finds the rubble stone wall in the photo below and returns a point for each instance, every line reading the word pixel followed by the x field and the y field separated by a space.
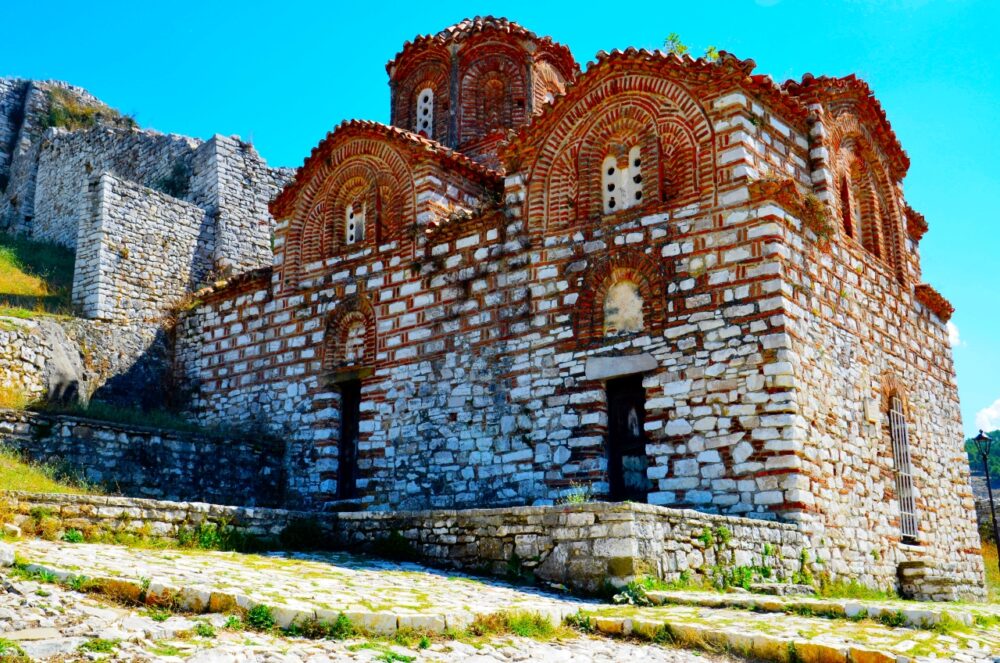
pixel 151 463
pixel 68 162
pixel 582 546
pixel 126 365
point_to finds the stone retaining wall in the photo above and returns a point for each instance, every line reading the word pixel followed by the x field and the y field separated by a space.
pixel 580 546
pixel 148 462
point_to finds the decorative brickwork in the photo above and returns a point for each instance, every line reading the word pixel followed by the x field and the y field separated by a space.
pixel 752 286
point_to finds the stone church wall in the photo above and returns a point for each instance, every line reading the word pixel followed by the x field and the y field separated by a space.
pixel 857 337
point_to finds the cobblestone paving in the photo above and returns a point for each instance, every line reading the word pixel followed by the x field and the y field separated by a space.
pixel 52 623
pixel 376 593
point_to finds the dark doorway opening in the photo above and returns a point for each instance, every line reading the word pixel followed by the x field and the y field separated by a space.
pixel 350 415
pixel 627 459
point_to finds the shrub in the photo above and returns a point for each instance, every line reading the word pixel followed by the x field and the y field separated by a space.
pixel 204 629
pixel 73 536
pixel 260 618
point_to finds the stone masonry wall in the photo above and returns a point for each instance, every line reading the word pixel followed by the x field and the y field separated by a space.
pixel 582 546
pixel 857 337
pixel 235 186
pixel 68 161
pixel 12 92
pixel 127 365
pixel 17 206
pixel 153 463
pixel 141 252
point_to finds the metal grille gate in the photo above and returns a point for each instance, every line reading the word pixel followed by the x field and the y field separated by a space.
pixel 904 469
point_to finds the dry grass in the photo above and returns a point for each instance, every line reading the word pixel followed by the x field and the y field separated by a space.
pixel 13 397
pixel 35 277
pixel 19 474
pixel 992 572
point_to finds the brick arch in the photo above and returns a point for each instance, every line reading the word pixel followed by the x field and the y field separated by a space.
pixel 340 326
pixel 593 285
pixel 684 134
pixel 612 133
pixel 318 239
pixel 892 385
pixel 492 91
pixel 851 141
pixel 433 74
pixel 392 184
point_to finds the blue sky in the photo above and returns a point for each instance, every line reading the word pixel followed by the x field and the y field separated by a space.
pixel 283 74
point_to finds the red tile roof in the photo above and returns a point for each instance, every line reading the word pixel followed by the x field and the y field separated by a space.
pixel 480 24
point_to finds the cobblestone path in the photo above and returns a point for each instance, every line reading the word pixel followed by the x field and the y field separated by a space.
pixel 384 597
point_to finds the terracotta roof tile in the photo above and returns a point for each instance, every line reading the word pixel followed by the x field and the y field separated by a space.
pixel 469 27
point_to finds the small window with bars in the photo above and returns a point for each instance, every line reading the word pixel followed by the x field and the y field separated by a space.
pixel 354 222
pixel 899 433
pixel 425 112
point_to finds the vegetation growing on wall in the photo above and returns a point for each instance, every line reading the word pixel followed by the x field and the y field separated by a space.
pixel 68 111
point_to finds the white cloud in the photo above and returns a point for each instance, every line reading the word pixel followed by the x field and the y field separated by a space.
pixel 988 419
pixel 953 338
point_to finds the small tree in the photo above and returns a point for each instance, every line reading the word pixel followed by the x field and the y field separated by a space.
pixel 674 45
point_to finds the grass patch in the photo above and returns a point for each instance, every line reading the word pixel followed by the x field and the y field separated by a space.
pixel 17 473
pixel 11 651
pixel 12 397
pixel 525 625
pixel 854 590
pixel 35 277
pixel 99 646
pixel 68 111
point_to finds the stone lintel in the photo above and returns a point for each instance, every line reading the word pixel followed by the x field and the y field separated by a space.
pixel 605 368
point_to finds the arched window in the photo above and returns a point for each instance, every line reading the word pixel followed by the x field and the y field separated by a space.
pixel 425 113
pixel 623 309
pixel 354 222
pixel 845 207
pixel 899 434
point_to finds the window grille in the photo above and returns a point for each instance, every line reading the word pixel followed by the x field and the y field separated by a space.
pixel 425 112
pixel 355 222
pixel 904 470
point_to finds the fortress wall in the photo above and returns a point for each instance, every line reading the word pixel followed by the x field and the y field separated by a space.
pixel 152 250
pixel 12 93
pixel 67 162
pixel 232 182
